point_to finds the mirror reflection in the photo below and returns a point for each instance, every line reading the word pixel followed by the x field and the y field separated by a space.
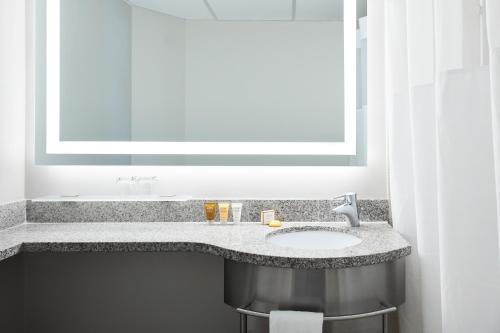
pixel 204 70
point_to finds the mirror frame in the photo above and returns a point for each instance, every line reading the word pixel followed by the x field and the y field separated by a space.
pixel 55 146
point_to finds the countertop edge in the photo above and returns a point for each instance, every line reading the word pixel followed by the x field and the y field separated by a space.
pixel 238 256
pixel 10 251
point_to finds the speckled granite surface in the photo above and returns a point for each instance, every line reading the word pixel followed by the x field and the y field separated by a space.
pixel 12 214
pixel 243 243
pixel 143 211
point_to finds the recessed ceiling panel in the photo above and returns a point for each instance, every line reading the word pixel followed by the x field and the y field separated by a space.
pixel 187 9
pixel 252 10
pixel 328 10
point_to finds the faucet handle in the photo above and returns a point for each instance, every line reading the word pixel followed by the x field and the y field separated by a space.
pixel 348 197
pixel 343 196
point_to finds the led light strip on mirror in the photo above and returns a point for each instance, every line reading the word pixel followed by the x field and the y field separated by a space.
pixel 56 146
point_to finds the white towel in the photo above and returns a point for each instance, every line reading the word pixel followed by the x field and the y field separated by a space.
pixel 295 322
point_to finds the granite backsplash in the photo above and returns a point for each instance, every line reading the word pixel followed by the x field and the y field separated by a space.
pixel 192 211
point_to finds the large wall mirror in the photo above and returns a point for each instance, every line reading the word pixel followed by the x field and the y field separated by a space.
pixel 201 82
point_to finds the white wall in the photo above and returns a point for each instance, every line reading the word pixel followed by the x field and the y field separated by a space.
pixel 229 81
pixel 12 100
pixel 264 81
pixel 158 75
pixel 243 182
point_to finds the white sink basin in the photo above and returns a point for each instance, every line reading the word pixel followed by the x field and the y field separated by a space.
pixel 314 240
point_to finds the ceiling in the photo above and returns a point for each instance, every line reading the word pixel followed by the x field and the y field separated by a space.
pixel 272 10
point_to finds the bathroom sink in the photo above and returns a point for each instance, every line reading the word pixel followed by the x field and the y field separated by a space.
pixel 348 290
pixel 314 239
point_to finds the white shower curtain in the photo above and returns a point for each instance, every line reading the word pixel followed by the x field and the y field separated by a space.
pixel 443 100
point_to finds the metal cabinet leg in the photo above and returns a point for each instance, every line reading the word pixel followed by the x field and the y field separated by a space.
pixel 385 323
pixel 243 323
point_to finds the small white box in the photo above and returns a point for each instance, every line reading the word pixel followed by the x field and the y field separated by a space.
pixel 267 216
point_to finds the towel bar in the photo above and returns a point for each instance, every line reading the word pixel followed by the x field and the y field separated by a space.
pixel 383 312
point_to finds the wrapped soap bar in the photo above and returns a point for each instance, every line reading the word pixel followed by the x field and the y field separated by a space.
pixel 275 224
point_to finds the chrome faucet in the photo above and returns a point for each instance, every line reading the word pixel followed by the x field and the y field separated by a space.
pixel 349 208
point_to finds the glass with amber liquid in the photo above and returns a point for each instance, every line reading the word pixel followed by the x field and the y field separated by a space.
pixel 223 212
pixel 210 210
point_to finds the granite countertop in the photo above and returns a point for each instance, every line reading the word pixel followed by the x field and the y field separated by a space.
pixel 244 242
